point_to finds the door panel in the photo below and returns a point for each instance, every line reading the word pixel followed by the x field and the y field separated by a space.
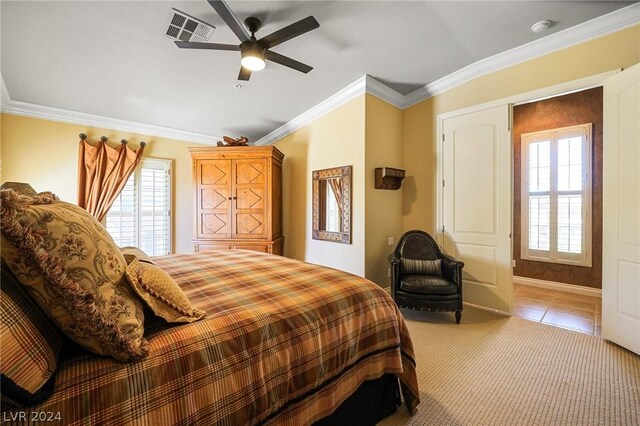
pixel 477 204
pixel 213 204
pixel 249 204
pixel 621 210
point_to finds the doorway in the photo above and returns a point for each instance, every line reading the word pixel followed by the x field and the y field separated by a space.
pixel 496 294
pixel 563 293
pixel 621 202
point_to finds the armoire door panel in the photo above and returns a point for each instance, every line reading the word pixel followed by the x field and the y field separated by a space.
pixel 249 204
pixel 215 198
pixel 249 225
pixel 249 198
pixel 249 172
pixel 213 191
pixel 214 225
pixel 215 172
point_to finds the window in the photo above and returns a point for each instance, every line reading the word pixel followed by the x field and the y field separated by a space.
pixel 141 215
pixel 556 195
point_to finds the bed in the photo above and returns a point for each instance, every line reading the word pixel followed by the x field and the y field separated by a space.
pixel 283 342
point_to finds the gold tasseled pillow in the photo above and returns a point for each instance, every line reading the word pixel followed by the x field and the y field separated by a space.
pixel 73 270
pixel 161 293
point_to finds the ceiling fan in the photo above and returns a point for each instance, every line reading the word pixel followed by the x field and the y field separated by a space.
pixel 254 52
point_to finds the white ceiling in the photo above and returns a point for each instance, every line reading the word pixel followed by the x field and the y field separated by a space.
pixel 111 58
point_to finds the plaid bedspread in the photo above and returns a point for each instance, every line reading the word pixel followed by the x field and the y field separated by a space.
pixel 284 342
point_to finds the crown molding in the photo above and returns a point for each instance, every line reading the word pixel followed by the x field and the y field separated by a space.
pixel 597 27
pixel 332 102
pixel 26 109
pixel 384 92
pixel 365 84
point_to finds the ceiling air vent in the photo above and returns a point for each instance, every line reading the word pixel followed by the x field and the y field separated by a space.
pixel 187 28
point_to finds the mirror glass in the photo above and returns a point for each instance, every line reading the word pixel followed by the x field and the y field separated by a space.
pixel 332 204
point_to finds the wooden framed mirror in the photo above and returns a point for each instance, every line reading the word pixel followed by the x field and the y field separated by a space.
pixel 332 205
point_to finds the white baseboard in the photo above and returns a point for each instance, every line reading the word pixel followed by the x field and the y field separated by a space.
pixel 569 288
pixel 484 308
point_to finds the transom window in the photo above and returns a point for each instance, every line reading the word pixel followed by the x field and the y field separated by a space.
pixel 141 215
pixel 556 195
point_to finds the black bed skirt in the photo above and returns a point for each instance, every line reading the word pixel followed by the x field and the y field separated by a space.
pixel 373 401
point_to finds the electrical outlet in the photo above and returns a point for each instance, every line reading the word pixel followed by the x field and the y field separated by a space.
pixel 513 263
pixel 388 272
pixel 390 241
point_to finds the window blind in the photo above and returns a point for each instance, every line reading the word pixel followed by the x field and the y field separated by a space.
pixel 556 195
pixel 122 217
pixel 141 215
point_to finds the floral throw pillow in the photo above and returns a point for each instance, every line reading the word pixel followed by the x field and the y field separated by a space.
pixel 71 267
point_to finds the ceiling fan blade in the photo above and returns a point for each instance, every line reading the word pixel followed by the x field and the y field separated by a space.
pixel 287 62
pixel 287 33
pixel 208 46
pixel 230 19
pixel 244 74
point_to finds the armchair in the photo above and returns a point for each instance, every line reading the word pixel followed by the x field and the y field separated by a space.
pixel 424 278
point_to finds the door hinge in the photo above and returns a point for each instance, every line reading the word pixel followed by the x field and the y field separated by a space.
pixel 443 183
pixel 443 229
pixel 443 137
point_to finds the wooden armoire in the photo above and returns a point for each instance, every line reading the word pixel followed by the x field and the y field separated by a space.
pixel 238 196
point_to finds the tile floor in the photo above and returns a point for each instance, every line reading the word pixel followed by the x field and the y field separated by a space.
pixel 567 310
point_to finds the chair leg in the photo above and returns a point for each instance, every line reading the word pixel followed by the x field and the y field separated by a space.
pixel 458 316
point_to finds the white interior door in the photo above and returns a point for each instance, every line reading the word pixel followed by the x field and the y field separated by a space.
pixel 477 203
pixel 621 210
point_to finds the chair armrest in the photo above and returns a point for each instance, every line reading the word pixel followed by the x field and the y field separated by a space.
pixel 452 269
pixel 396 268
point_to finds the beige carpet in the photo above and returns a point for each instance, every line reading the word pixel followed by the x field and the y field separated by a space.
pixel 495 370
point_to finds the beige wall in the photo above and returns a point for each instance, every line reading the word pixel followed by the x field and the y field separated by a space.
pixel 383 207
pixel 335 139
pixel 365 133
pixel 45 154
pixel 610 52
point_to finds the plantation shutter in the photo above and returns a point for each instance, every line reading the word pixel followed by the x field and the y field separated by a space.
pixel 141 215
pixel 121 220
pixel 155 207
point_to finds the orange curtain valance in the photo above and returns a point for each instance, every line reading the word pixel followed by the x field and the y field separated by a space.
pixel 103 172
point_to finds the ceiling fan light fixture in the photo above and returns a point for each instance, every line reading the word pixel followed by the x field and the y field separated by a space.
pixel 253 58
pixel 253 63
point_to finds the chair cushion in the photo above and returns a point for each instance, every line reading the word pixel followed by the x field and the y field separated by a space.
pixel 30 346
pixel 420 266
pixel 71 267
pixel 427 284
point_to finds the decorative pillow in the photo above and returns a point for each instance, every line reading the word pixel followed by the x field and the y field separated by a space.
pixel 421 267
pixel 161 293
pixel 129 252
pixel 74 271
pixel 30 346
